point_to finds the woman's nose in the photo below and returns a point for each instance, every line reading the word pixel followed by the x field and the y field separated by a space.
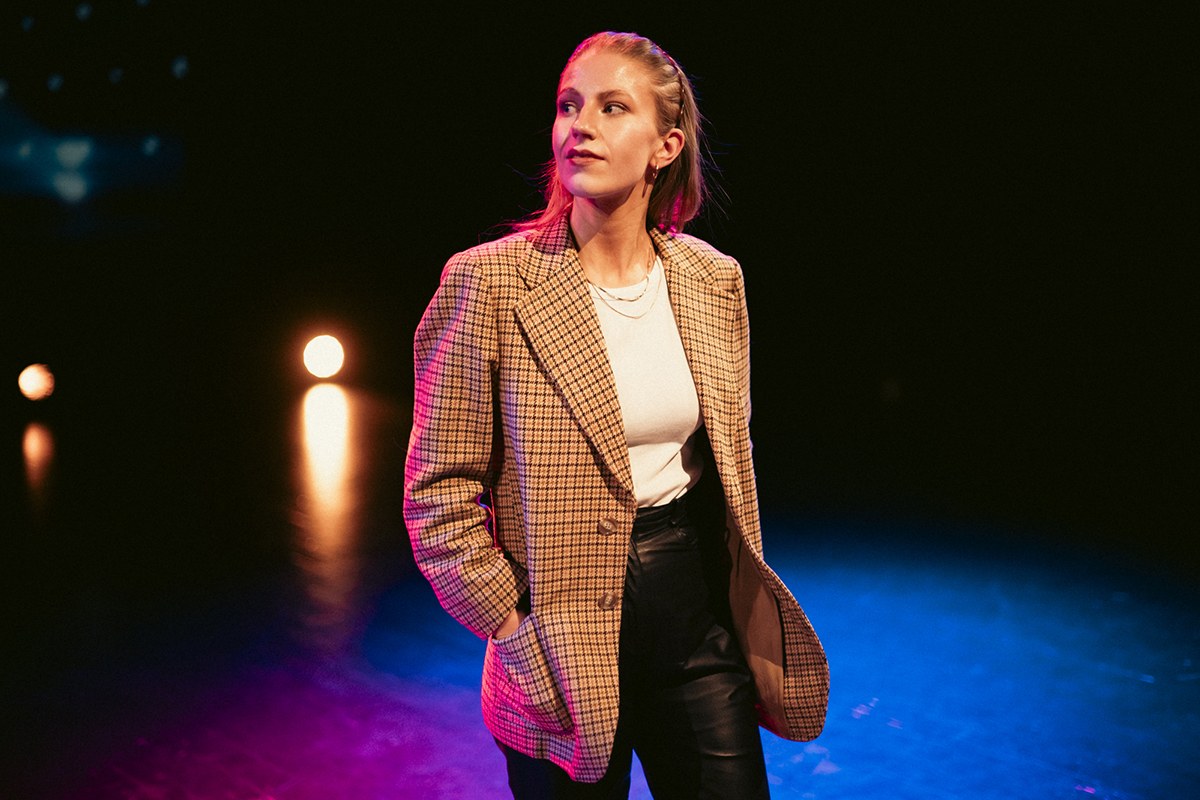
pixel 582 125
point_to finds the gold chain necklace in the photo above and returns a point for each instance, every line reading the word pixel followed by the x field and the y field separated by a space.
pixel 641 294
pixel 603 296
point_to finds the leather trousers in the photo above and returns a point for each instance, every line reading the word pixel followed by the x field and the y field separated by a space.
pixel 687 698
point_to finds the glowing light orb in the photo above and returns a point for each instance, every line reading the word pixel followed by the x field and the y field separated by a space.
pixel 70 186
pixel 36 382
pixel 324 356
pixel 71 153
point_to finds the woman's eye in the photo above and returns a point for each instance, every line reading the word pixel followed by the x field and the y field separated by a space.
pixel 566 107
pixel 610 108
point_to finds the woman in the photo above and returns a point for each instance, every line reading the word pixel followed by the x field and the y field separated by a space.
pixel 579 489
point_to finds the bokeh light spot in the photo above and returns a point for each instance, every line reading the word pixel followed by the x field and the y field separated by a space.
pixel 324 356
pixel 71 153
pixel 38 448
pixel 36 382
pixel 70 186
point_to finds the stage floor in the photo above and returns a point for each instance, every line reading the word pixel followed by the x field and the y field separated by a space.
pixel 227 608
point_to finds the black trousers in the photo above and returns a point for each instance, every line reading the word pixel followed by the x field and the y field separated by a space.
pixel 687 698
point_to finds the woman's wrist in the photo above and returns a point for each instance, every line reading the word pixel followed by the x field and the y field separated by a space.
pixel 510 624
pixel 514 618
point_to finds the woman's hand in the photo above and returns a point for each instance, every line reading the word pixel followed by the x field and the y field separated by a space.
pixel 510 624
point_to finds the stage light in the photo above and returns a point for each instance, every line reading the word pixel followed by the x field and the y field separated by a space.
pixel 70 186
pixel 324 356
pixel 38 448
pixel 36 382
pixel 71 153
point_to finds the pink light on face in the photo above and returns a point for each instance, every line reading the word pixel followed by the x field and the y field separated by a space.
pixel 36 382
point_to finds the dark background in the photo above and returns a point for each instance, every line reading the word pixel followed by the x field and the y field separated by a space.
pixel 962 231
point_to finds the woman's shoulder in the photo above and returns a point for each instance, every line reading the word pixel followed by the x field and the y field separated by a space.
pixel 493 263
pixel 700 248
pixel 496 254
pixel 702 256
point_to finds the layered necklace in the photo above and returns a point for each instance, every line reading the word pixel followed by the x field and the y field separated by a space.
pixel 621 304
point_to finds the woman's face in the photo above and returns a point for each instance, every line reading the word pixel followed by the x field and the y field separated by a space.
pixel 605 132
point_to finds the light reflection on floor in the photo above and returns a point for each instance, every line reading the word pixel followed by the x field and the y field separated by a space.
pixel 327 552
pixel 962 666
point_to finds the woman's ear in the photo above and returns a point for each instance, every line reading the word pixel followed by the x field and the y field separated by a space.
pixel 672 146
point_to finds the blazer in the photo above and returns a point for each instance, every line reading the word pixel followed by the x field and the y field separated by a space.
pixel 518 479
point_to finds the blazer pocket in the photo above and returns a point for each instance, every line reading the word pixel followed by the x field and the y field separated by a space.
pixel 531 684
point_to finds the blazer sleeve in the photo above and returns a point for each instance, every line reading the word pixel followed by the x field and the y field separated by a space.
pixel 742 337
pixel 450 452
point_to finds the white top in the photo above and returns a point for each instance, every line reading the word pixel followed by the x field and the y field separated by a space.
pixel 655 387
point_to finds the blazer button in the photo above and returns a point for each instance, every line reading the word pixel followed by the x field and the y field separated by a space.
pixel 607 527
pixel 608 601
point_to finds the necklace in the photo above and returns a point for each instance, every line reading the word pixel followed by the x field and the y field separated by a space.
pixel 610 296
pixel 649 268
pixel 603 296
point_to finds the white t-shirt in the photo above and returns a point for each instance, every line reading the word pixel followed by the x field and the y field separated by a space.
pixel 655 387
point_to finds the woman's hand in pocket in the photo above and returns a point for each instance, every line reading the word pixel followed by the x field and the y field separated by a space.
pixel 510 624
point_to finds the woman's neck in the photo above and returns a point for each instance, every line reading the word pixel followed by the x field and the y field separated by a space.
pixel 614 249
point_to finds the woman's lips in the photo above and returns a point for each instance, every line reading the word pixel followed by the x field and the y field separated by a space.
pixel 581 156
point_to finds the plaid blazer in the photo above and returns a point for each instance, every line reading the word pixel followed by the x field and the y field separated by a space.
pixel 518 478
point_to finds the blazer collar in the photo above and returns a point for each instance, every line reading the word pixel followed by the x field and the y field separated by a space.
pixel 558 319
pixel 706 315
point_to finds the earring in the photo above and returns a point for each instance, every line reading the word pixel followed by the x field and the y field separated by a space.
pixel 653 173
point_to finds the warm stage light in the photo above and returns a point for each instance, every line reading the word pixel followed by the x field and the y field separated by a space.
pixel 36 382
pixel 38 447
pixel 324 356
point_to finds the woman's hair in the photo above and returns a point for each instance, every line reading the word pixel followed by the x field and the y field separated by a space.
pixel 679 188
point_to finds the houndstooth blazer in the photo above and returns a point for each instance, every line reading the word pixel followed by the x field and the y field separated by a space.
pixel 518 478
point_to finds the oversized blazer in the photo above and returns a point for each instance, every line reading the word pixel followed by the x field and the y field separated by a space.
pixel 518 478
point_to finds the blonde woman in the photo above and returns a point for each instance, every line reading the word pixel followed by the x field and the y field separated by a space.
pixel 579 489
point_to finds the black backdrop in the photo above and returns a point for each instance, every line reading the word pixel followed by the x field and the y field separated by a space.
pixel 961 231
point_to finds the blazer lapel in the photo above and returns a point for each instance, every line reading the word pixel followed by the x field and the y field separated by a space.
pixel 558 319
pixel 706 315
